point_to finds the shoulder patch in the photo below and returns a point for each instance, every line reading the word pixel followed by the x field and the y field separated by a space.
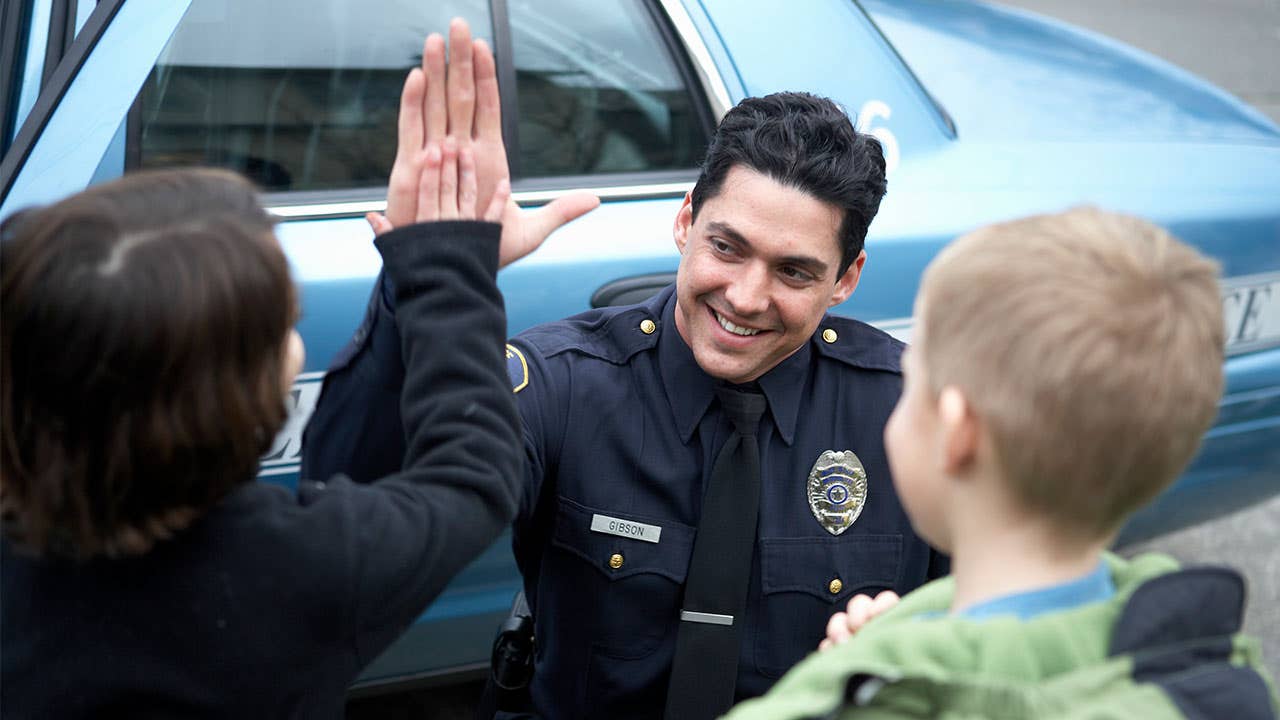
pixel 517 368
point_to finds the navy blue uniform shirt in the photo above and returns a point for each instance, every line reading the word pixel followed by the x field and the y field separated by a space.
pixel 622 426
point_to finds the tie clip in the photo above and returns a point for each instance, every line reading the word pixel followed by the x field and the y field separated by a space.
pixel 709 618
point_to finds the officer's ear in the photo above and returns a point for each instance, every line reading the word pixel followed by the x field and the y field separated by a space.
pixel 848 282
pixel 684 219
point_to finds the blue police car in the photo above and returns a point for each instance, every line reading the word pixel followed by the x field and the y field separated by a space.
pixel 984 114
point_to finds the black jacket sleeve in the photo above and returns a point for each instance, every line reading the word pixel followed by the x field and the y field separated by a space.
pixel 356 428
pixel 459 487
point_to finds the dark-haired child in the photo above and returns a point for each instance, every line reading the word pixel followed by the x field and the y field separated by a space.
pixel 147 351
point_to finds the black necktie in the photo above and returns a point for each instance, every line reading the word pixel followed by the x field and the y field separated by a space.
pixel 705 669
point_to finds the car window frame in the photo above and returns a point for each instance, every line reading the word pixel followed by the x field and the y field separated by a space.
pixel 15 32
pixel 54 89
pixel 709 105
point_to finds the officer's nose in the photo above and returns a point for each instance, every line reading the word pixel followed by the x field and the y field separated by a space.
pixel 748 291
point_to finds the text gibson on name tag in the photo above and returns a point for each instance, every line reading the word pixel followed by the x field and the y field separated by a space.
pixel 625 528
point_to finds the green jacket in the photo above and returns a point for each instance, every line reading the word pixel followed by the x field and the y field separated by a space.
pixel 1167 645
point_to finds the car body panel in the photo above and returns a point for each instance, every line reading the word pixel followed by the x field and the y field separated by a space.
pixel 985 114
pixel 831 49
pixel 1004 73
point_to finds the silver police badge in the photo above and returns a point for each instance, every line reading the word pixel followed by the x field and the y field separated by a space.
pixel 837 490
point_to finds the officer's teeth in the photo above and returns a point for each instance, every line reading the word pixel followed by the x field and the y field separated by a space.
pixel 735 329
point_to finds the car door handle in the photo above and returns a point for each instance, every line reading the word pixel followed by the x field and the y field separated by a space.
pixel 631 290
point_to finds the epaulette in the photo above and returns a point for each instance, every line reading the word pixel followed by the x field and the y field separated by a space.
pixel 612 334
pixel 858 344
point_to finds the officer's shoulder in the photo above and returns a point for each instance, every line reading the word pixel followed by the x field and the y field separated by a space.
pixel 613 334
pixel 857 344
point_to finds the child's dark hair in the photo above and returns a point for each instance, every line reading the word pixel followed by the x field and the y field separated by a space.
pixel 142 365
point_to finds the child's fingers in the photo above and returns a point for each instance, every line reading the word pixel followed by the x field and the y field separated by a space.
pixel 449 180
pixel 378 222
pixel 498 204
pixel 859 611
pixel 466 184
pixel 825 645
pixel 883 602
pixel 429 185
pixel 838 628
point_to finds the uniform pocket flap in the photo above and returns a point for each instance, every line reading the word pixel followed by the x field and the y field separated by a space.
pixel 618 556
pixel 828 568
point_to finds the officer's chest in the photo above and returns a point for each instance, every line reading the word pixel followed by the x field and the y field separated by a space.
pixel 624 450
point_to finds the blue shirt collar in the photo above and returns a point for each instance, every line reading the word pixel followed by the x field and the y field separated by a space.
pixel 1094 587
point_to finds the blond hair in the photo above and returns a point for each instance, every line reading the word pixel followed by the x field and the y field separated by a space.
pixel 1091 344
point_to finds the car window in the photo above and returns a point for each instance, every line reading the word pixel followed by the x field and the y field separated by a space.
pixel 598 91
pixel 303 94
pixel 295 94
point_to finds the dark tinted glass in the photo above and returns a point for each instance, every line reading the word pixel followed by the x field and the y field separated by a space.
pixel 599 91
pixel 303 94
pixel 295 94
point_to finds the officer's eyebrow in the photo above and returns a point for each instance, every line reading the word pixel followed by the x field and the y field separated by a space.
pixel 808 263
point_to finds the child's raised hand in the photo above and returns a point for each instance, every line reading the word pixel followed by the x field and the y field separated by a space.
pixel 459 101
pixel 447 188
pixel 858 612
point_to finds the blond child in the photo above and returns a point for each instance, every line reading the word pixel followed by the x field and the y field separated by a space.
pixel 1063 371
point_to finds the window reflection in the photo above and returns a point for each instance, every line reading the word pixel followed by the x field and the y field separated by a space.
pixel 295 95
pixel 304 95
pixel 598 90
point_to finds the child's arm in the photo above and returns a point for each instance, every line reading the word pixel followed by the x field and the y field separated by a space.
pixel 460 483
pixel 400 540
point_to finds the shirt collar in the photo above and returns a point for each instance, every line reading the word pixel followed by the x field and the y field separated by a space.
pixel 1096 586
pixel 783 386
pixel 690 390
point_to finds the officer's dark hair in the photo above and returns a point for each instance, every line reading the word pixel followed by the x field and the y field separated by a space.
pixel 142 359
pixel 803 141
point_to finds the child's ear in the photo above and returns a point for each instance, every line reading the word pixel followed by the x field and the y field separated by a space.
pixel 960 431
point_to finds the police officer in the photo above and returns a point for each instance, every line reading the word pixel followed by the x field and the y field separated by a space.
pixel 705 478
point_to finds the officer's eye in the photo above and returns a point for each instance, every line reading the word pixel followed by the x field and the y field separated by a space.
pixel 721 246
pixel 795 274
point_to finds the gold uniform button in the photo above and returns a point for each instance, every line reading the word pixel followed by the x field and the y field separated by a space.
pixel 615 562
pixel 830 335
pixel 648 326
pixel 835 587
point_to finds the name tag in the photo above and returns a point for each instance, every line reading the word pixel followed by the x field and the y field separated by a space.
pixel 625 528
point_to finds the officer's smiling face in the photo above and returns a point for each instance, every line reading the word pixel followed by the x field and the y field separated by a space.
pixel 758 269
